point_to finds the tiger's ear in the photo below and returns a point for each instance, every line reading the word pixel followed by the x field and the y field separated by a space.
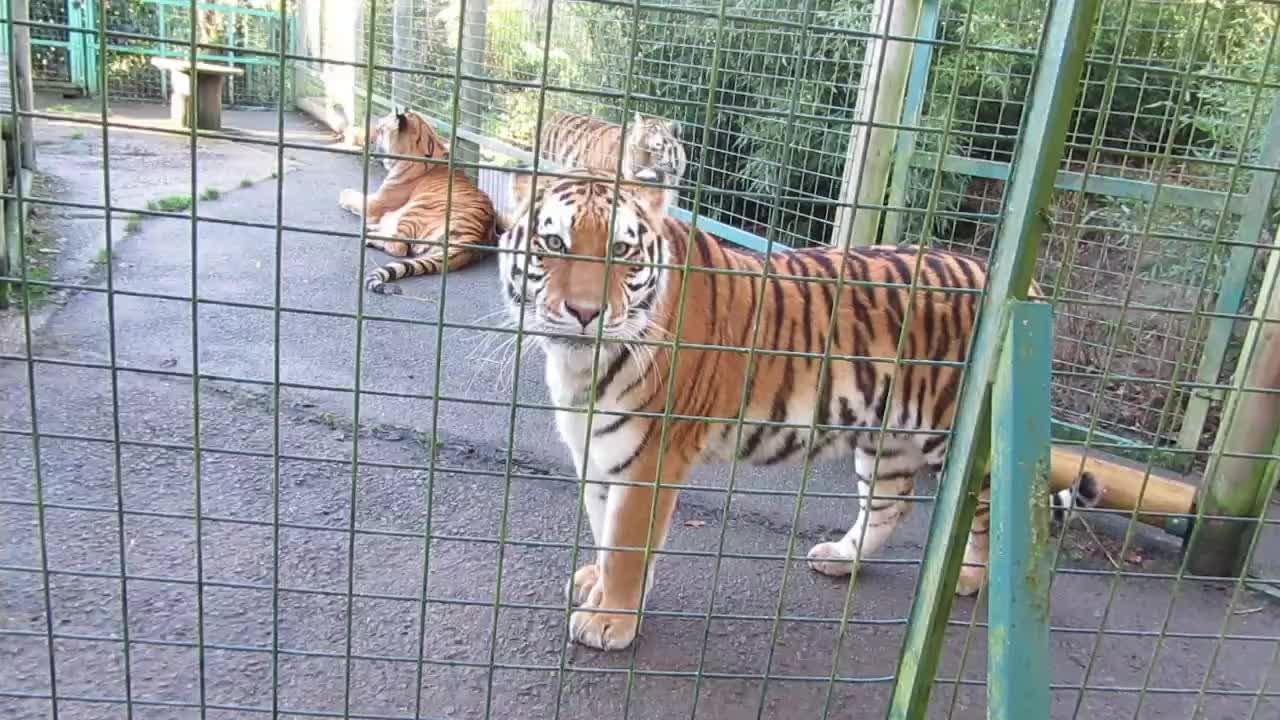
pixel 674 127
pixel 639 118
pixel 402 119
pixel 517 210
pixel 652 198
pixel 521 185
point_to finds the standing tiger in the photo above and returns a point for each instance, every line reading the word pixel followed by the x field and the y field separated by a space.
pixel 412 201
pixel 638 299
pixel 652 151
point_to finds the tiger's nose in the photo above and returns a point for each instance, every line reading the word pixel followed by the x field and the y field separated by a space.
pixel 584 313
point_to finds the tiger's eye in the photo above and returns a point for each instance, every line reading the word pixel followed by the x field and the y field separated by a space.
pixel 554 243
pixel 621 249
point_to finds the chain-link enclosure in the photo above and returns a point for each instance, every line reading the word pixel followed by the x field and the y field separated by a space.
pixel 235 482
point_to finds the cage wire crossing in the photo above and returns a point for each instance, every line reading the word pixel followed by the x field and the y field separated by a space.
pixel 237 484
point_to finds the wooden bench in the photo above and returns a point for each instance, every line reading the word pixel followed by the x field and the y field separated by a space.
pixel 209 80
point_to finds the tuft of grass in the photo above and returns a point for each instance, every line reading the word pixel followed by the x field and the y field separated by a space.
pixel 134 224
pixel 77 135
pixel 170 203
pixel 101 257
pixel 245 182
pixel 37 293
pixel 61 107
pixel 210 193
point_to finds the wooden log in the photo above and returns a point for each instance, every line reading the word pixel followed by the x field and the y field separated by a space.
pixel 1122 484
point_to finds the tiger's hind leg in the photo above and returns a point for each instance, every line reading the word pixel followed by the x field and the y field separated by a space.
pixel 430 260
pixel 977 551
pixel 391 227
pixel 973 574
pixel 878 515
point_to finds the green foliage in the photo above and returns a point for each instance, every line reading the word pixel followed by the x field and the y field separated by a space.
pixel 210 193
pixel 1155 41
pixel 751 144
pixel 1228 46
pixel 170 203
pixel 755 142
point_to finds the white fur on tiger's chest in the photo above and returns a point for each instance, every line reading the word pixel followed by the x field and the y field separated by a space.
pixel 568 377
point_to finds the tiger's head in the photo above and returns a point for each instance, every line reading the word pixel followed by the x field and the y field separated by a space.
pixel 653 144
pixel 405 132
pixel 557 242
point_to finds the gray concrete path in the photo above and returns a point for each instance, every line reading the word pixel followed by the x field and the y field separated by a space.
pixel 477 660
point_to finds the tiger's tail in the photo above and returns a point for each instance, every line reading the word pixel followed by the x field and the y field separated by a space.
pixel 460 253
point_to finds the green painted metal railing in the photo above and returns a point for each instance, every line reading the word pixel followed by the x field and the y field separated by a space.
pixel 1021 552
pixel 83 41
pixel 1040 150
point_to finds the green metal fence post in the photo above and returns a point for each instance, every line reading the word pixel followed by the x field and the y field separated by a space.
pixel 75 45
pixel 93 49
pixel 1235 280
pixel 164 76
pixel 1018 607
pixel 1057 83
pixel 82 46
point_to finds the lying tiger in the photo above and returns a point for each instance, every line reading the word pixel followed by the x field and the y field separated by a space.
pixel 412 201
pixel 652 151
pixel 638 299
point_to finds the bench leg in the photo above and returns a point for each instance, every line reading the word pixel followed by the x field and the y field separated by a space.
pixel 180 84
pixel 209 95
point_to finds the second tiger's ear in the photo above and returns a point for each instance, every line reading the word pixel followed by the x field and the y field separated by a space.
pixel 521 185
pixel 675 128
pixel 402 119
pixel 517 210
pixel 653 198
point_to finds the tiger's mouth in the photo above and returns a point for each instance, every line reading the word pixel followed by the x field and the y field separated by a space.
pixel 572 343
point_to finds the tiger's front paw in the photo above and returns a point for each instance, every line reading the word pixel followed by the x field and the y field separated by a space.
pixel 833 558
pixel 351 200
pixel 603 630
pixel 584 587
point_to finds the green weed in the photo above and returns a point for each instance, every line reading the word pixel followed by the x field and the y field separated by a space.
pixel 170 203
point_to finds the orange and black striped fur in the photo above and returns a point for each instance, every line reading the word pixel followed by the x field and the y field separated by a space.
pixel 652 151
pixel 567 299
pixel 412 201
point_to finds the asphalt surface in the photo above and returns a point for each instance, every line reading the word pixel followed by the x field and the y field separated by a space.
pixel 500 474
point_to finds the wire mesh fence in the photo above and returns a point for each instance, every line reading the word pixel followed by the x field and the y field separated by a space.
pixel 1142 143
pixel 248 33
pixel 51 56
pixel 238 485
